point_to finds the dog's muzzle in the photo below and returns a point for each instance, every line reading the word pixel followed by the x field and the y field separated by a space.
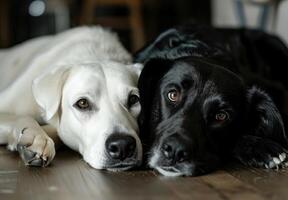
pixel 175 151
pixel 173 157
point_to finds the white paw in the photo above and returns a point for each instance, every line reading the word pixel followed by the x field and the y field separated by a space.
pixel 35 149
pixel 277 162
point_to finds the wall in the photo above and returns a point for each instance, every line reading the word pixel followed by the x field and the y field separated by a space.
pixel 223 15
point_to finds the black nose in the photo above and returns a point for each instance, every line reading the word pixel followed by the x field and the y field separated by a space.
pixel 120 146
pixel 175 151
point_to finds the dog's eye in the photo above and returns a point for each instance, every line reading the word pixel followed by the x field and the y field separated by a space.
pixel 173 42
pixel 82 104
pixel 133 99
pixel 173 95
pixel 221 116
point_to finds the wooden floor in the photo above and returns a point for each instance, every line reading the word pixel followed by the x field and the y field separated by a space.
pixel 71 178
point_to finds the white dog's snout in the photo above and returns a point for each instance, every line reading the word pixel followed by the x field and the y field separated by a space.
pixel 120 146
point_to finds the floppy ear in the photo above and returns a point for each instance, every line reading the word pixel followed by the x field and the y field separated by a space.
pixel 148 82
pixel 47 91
pixel 264 118
pixel 152 48
pixel 149 78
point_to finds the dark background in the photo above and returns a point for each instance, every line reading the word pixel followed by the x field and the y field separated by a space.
pixel 17 24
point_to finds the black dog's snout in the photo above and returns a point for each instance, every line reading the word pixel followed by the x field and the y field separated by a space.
pixel 120 146
pixel 174 151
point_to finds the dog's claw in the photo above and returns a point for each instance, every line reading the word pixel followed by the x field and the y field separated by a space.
pixel 282 157
pixel 277 161
pixel 37 163
pixel 265 153
pixel 30 158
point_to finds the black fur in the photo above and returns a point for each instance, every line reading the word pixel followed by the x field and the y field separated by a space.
pixel 238 72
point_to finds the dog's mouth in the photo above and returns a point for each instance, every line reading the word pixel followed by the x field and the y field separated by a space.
pixel 123 166
pixel 164 167
pixel 169 171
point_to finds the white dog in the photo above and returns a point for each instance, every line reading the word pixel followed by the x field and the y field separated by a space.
pixel 79 85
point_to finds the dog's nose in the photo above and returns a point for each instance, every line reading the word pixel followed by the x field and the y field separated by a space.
pixel 174 151
pixel 120 146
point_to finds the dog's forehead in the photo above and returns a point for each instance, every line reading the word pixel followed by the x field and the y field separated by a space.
pixel 203 73
pixel 120 80
pixel 102 72
pixel 94 80
pixel 180 72
pixel 120 73
pixel 84 80
pixel 87 75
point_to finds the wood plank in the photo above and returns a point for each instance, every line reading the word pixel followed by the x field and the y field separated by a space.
pixel 230 187
pixel 69 177
pixel 8 173
pixel 191 188
pixel 271 183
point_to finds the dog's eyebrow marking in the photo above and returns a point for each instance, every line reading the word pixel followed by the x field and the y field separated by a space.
pixel 210 94
pixel 210 101
pixel 213 98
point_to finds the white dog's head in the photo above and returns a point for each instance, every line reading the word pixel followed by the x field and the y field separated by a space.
pixel 95 108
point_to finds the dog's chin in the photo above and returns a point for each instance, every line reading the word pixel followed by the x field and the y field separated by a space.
pixel 176 170
pixel 180 169
pixel 103 162
pixel 129 163
pixel 169 171
pixel 123 166
pixel 120 168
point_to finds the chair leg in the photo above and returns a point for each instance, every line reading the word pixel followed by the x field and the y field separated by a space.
pixel 87 13
pixel 240 12
pixel 135 20
pixel 136 23
pixel 263 16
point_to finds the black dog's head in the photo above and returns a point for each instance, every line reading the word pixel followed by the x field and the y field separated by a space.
pixel 193 113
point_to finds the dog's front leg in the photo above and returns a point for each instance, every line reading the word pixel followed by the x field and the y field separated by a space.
pixel 25 135
pixel 260 152
pixel 53 134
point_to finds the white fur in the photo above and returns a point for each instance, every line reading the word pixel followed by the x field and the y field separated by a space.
pixel 44 77
pixel 166 171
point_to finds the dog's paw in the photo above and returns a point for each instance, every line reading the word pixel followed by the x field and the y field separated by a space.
pixel 35 149
pixel 275 162
pixel 260 152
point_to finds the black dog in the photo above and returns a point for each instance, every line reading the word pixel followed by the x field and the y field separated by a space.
pixel 210 94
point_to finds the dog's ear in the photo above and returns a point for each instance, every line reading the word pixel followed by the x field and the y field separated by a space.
pixel 47 91
pixel 264 118
pixel 149 78
pixel 152 49
pixel 148 82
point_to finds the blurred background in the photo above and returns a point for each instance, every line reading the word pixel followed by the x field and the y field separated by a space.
pixel 136 21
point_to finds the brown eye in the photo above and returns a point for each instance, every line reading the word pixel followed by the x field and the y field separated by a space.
pixel 133 99
pixel 222 116
pixel 82 104
pixel 174 96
